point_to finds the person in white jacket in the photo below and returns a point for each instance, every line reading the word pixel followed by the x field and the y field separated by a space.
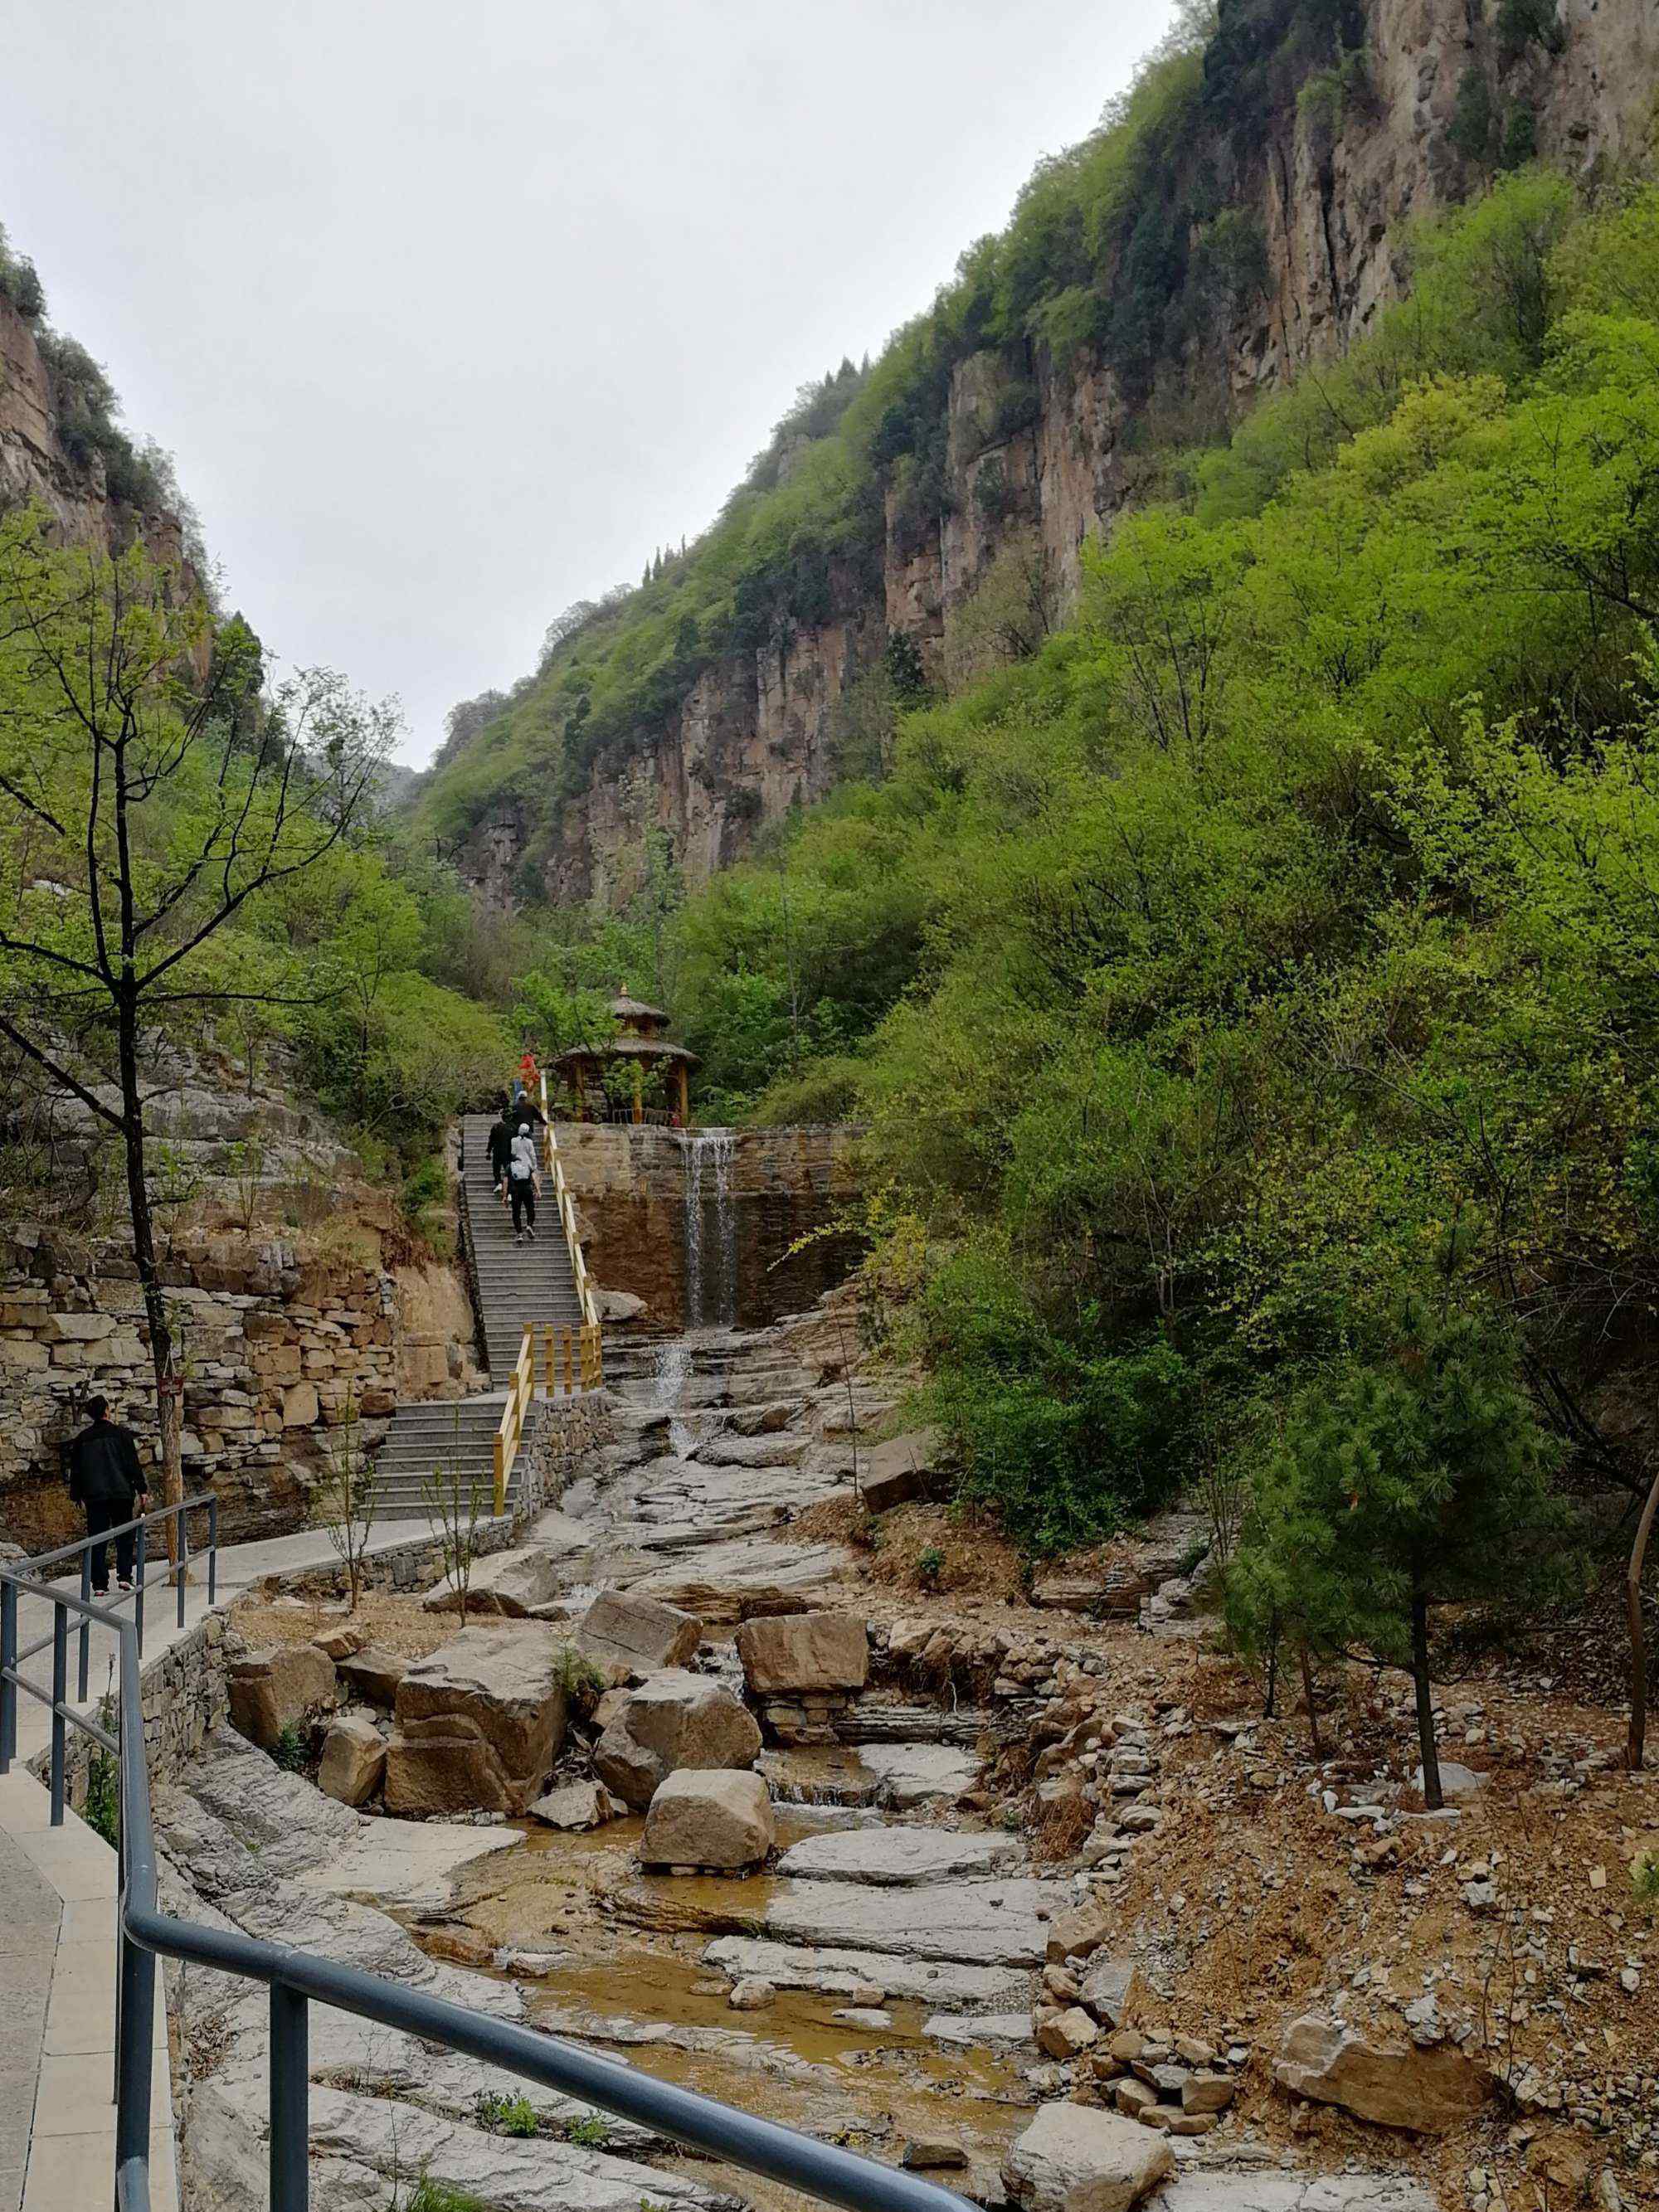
pixel 522 1183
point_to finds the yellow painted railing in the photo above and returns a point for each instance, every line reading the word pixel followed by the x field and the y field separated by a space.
pixel 519 1393
pixel 585 1297
pixel 554 1362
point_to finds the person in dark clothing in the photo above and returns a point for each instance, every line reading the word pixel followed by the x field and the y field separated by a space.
pixel 502 1134
pixel 107 1479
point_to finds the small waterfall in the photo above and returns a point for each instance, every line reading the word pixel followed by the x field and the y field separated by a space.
pixel 711 1260
pixel 673 1371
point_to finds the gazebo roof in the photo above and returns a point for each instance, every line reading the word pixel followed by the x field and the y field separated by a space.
pixel 625 1048
pixel 629 1009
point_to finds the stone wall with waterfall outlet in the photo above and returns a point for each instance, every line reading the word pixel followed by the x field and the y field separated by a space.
pixel 700 1224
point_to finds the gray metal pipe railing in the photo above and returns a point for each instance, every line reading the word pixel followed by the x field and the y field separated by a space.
pixel 296 1979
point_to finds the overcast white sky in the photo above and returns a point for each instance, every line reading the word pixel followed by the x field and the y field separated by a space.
pixel 450 315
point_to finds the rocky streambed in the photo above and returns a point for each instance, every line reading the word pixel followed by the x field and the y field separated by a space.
pixel 854 1948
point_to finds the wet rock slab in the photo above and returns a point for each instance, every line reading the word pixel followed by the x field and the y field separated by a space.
pixel 508 2174
pixel 971 1922
pixel 843 1973
pixel 885 1858
pixel 1234 2190
pixel 735 1580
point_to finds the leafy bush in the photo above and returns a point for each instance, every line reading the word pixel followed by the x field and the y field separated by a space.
pixel 19 282
pixel 1524 22
pixel 102 1810
pixel 499 2115
pixel 1520 138
pixel 292 1750
pixel 1474 116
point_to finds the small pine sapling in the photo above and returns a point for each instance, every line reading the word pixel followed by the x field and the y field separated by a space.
pixel 1420 1479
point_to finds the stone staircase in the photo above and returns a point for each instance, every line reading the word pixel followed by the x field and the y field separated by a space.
pixel 458 1434
pixel 517 1283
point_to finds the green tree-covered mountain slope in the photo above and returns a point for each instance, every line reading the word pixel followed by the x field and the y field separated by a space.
pixel 1245 210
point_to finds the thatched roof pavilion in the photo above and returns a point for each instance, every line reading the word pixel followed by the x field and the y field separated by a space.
pixel 640 1045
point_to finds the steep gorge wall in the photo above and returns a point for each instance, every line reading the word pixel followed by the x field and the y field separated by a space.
pixel 36 464
pixel 761 731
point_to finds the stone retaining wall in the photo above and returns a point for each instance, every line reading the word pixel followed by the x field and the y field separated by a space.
pixel 185 1699
pixel 631 1187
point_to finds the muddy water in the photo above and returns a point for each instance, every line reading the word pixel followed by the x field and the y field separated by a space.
pixel 626 1975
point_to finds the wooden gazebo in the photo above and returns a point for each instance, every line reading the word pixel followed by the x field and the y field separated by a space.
pixel 651 1058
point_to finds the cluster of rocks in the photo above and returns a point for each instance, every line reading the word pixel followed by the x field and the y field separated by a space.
pixel 1153 2073
pixel 478 1726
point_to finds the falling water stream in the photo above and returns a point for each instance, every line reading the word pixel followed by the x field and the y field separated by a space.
pixel 711 1261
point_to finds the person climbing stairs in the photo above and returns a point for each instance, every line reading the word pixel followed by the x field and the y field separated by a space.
pixel 516 1282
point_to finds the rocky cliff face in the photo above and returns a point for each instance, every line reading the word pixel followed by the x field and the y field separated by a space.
pixel 1330 195
pixel 35 463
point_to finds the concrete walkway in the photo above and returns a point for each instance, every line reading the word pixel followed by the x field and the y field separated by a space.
pixel 30 1912
pixel 58 1908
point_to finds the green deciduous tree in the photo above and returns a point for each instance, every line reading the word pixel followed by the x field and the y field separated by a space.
pixel 145 818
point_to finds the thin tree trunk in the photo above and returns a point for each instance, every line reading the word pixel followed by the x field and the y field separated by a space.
pixel 149 1276
pixel 1313 1710
pixel 1635 1744
pixel 1431 1797
pixel 1272 1669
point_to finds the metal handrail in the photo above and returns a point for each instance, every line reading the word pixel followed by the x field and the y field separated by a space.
pixel 296 1978
pixel 23 1577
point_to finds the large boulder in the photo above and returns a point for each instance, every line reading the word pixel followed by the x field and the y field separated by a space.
pixel 373 1675
pixel 803 1651
pixel 444 1764
pixel 282 1688
pixel 1075 2157
pixel 505 1584
pixel 509 1682
pixel 715 1818
pixel 673 1720
pixel 896 1471
pixel 1395 2086
pixel 353 1761
pixel 634 1636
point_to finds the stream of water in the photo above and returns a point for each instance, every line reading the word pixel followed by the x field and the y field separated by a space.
pixel 711 1260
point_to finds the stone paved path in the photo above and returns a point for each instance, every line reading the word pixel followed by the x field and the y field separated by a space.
pixel 58 1903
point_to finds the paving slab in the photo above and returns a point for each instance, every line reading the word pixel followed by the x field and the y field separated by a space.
pixel 30 1913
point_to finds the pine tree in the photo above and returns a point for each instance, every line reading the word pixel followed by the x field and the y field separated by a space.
pixel 1418 1480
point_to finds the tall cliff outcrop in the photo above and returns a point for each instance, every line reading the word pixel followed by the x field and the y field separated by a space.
pixel 1037 445
pixel 59 445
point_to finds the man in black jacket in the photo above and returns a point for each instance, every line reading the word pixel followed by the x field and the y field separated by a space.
pixel 106 1479
pixel 502 1134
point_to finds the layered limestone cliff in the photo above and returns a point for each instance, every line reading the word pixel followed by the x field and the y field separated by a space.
pixel 1330 192
pixel 36 464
